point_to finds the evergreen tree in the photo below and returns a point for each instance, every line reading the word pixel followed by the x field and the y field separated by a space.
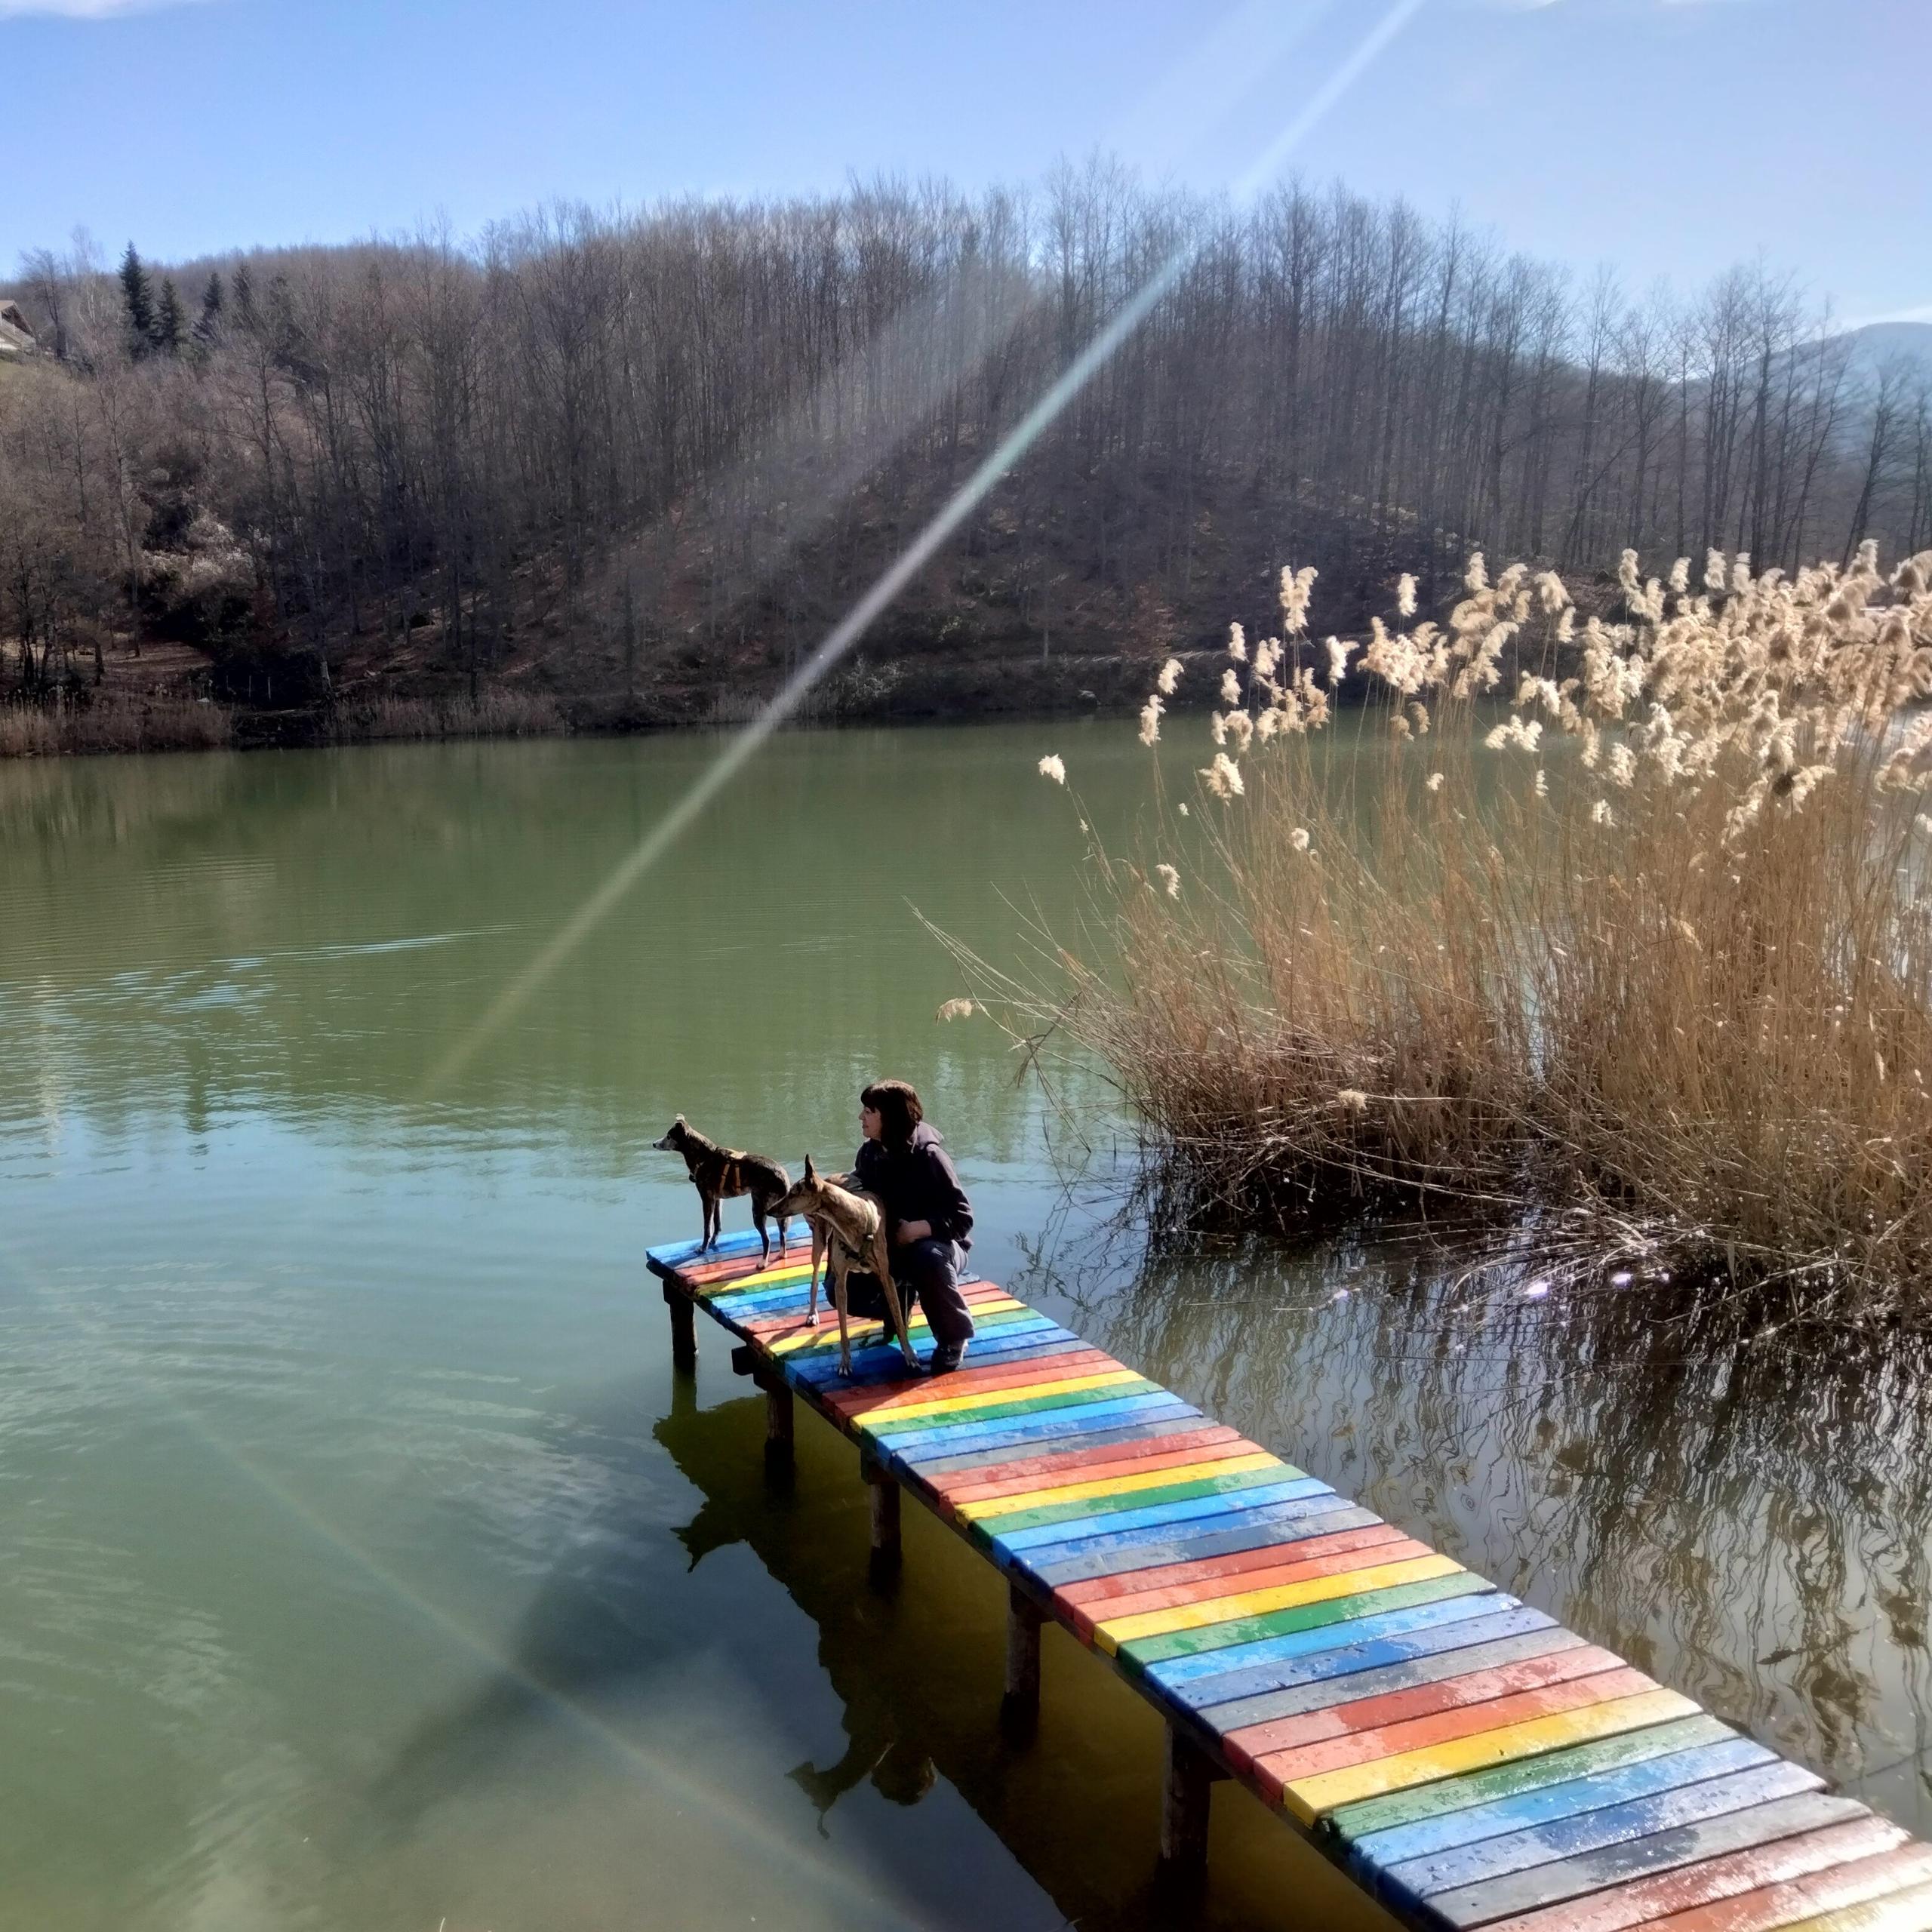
pixel 171 320
pixel 208 327
pixel 139 298
pixel 244 295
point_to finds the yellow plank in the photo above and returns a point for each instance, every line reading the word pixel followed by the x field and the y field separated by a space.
pixel 1080 1492
pixel 864 1329
pixel 1258 1603
pixel 1308 1797
pixel 1908 1911
pixel 897 1411
pixel 766 1278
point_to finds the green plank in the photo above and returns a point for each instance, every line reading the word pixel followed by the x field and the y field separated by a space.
pixel 1431 1801
pixel 1135 1499
pixel 886 1426
pixel 1306 1616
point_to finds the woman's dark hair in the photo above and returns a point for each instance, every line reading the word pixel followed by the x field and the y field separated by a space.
pixel 898 1107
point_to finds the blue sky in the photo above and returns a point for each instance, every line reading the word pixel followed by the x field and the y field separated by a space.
pixel 1668 137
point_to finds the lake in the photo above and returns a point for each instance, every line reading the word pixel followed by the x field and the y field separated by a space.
pixel 366 1566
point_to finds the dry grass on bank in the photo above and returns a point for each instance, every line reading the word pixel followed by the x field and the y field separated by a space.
pixel 114 724
pixel 1645 966
pixel 492 714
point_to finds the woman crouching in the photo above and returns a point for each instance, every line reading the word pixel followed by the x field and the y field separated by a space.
pixel 929 1221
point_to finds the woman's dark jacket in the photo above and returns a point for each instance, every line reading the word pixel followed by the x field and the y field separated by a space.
pixel 918 1182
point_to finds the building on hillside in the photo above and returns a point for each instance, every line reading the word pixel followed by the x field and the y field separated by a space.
pixel 16 337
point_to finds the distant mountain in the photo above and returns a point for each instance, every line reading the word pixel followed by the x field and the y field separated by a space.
pixel 1878 344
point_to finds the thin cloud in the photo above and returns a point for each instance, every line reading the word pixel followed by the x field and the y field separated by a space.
pixel 84 10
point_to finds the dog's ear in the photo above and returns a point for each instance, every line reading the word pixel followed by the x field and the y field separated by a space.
pixel 811 1173
pixel 679 1122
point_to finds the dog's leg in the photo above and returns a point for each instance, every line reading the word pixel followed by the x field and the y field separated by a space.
pixel 838 1266
pixel 704 1205
pixel 757 1222
pixel 882 1261
pixel 818 1250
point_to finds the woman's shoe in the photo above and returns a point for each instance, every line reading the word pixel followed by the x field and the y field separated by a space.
pixel 946 1357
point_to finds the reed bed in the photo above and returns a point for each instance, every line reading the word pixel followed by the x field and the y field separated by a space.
pixel 1634 957
pixel 114 724
pixel 491 714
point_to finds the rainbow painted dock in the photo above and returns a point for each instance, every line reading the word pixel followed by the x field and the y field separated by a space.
pixel 1469 1762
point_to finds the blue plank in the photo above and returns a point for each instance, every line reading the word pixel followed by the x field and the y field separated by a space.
pixel 1225 1504
pixel 1234 1488
pixel 1401 1844
pixel 1119 1552
pixel 932 1468
pixel 1230 1699
pixel 1592 1831
pixel 945 1441
pixel 1592 1871
pixel 875 1361
pixel 1256 1665
pixel 1340 1680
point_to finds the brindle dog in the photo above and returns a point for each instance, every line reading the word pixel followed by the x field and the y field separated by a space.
pixel 723 1174
pixel 846 1228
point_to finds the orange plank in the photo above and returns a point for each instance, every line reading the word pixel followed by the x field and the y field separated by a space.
pixel 1363 1747
pixel 1643 1900
pixel 1105 1590
pixel 1183 1457
pixel 1772 1906
pixel 1368 1714
pixel 1041 1470
pixel 851 1402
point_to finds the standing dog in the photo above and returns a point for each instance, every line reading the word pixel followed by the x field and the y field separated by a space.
pixel 723 1174
pixel 846 1228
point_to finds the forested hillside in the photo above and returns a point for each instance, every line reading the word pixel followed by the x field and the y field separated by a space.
pixel 635 463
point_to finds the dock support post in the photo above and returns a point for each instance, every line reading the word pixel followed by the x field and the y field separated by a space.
pixel 777 1424
pixel 1020 1709
pixel 683 1330
pixel 886 1553
pixel 1188 1775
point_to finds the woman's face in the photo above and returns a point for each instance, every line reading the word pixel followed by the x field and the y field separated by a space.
pixel 870 1123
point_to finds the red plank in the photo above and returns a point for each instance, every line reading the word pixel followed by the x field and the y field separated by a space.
pixel 1421 1700
pixel 1364 1747
pixel 966 1381
pixel 1643 1900
pixel 1303 1568
pixel 1167 1458
pixel 1772 1906
pixel 1104 1590
pixel 1028 1470
pixel 794 1321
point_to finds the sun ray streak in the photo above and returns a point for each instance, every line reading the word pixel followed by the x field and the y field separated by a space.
pixel 784 704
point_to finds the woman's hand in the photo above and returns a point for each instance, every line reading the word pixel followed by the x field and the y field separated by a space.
pixel 908 1231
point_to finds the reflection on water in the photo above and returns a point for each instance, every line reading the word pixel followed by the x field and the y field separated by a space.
pixel 366 1567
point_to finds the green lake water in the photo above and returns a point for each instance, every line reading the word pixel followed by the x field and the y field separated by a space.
pixel 362 1564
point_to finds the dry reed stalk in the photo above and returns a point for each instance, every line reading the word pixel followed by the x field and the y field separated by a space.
pixel 114 724
pixel 1652 948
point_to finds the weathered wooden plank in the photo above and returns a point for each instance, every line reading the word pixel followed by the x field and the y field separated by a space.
pixel 1152 1436
pixel 1596 1829
pixel 851 1400
pixel 1308 1798
pixel 1566 1878
pixel 1615 1783
pixel 1145 1650
pixel 1211 1503
pixel 1794 1902
pixel 1031 1424
pixel 1449 1799
pixel 1326 1691
pixel 974 1502
pixel 1132 1549
pixel 1908 1910
pixel 1641 1899
pixel 1029 1473
pixel 1127 1494
pixel 1144 1612
pixel 1094 1592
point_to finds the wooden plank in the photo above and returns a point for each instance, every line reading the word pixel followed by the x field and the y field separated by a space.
pixel 1274 1664
pixel 1309 1797
pixel 1793 1902
pixel 1145 1650
pixel 1904 1911
pixel 1326 1690
pixel 1044 1420
pixel 1098 1590
pixel 1596 1829
pixel 1290 1569
pixel 1130 1493
pixel 1119 1551
pixel 1545 1885
pixel 1302 1763
pixel 1225 1501
pixel 1641 1899
pixel 1092 1441
pixel 850 1401
pixel 1004 1393
pixel 1614 1783
pixel 1068 1483
pixel 1016 1477
pixel 1475 1788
